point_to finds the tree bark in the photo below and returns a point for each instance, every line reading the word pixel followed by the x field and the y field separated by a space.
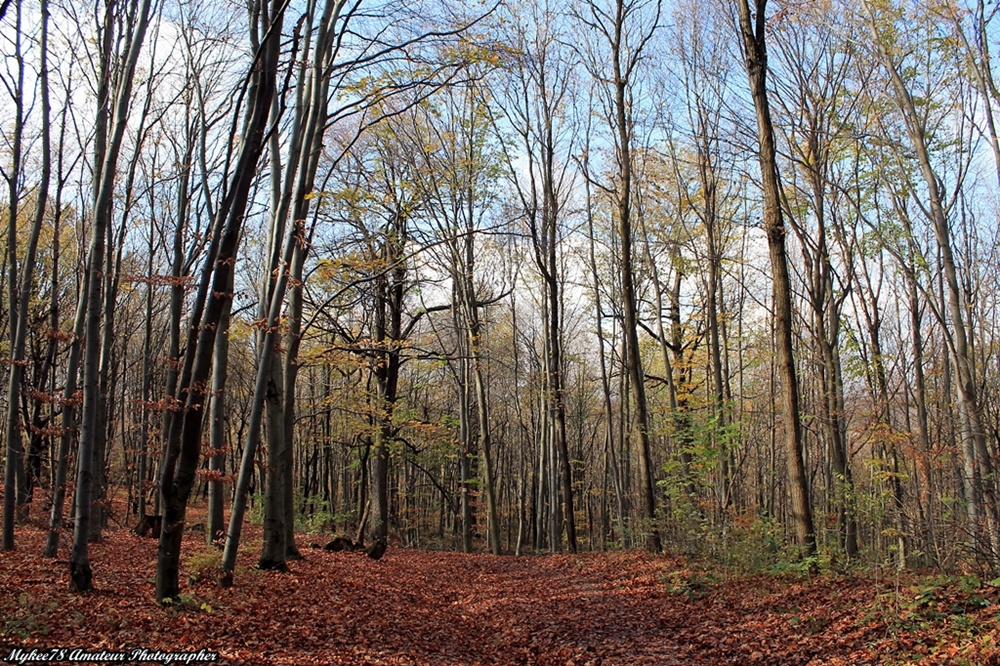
pixel 184 438
pixel 80 572
pixel 752 33
pixel 633 358
pixel 14 470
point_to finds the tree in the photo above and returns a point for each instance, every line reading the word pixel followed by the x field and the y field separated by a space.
pixel 455 167
pixel 117 102
pixel 816 111
pixel 183 440
pixel 753 32
pixel 979 476
pixel 536 102
pixel 626 29
pixel 19 287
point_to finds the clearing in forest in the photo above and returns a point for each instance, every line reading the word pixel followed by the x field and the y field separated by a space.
pixel 422 607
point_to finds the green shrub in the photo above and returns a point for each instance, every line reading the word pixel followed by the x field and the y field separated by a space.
pixel 203 565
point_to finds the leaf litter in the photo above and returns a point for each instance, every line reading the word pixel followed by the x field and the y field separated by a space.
pixel 427 607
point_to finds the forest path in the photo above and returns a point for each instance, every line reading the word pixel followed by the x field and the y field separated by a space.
pixel 426 607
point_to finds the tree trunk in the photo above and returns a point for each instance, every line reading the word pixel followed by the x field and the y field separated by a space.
pixel 632 358
pixel 273 553
pixel 19 322
pixel 485 441
pixel 184 439
pixel 14 470
pixel 217 429
pixel 752 32
pixel 80 572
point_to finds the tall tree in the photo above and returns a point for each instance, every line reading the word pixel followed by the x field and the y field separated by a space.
pixel 536 96
pixel 18 287
pixel 814 103
pixel 753 33
pixel 456 169
pixel 626 29
pixel 980 478
pixel 116 86
pixel 183 440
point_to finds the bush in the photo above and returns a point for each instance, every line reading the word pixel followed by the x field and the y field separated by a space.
pixel 204 564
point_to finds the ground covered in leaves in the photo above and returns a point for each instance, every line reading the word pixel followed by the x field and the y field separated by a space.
pixel 422 607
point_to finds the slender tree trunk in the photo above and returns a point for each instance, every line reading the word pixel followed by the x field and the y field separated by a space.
pixel 923 434
pixel 217 429
pixel 19 323
pixel 14 470
pixel 183 444
pixel 80 571
pixel 485 440
pixel 147 382
pixel 465 458
pixel 609 418
pixel 61 458
pixel 632 358
pixel 388 338
pixel 273 553
pixel 68 422
pixel 752 33
pixel 305 149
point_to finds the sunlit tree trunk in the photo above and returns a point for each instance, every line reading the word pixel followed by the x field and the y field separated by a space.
pixel 183 448
pixel 983 483
pixel 753 29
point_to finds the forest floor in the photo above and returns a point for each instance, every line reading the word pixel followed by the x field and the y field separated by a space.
pixel 424 607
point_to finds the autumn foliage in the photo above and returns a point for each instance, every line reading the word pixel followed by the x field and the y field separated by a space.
pixel 423 607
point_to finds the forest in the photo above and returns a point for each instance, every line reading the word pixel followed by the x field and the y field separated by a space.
pixel 711 279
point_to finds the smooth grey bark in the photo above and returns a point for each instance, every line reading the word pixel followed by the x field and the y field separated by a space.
pixel 455 177
pixel 184 438
pixel 317 93
pixel 109 359
pixel 291 188
pixel 975 450
pixel 752 34
pixel 290 370
pixel 118 106
pixel 217 428
pixel 273 551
